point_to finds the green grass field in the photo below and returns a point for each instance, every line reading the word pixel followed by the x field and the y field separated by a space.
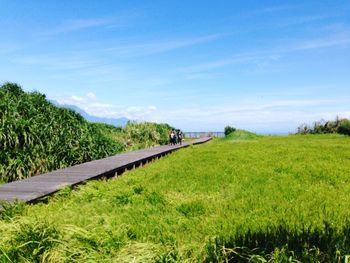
pixel 241 198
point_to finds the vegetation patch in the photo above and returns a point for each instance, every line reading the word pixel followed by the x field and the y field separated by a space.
pixel 191 209
pixel 9 211
pixel 155 198
pixel 30 241
pixel 123 199
pixel 138 190
pixel 237 135
pixel 228 129
pixel 341 126
pixel 282 244
pixel 279 199
pixel 37 136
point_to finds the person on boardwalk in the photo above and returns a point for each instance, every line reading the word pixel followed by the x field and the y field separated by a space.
pixel 175 137
pixel 172 137
pixel 179 137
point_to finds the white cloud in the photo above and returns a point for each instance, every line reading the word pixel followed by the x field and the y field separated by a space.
pixel 77 99
pixel 267 116
pixel 91 95
pixel 90 104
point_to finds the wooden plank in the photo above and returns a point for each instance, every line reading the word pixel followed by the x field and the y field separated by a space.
pixel 33 188
pixel 19 196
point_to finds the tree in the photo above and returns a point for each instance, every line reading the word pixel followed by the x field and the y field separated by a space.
pixel 344 127
pixel 229 129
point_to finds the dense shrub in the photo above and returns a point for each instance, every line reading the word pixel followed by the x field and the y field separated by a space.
pixel 344 127
pixel 229 129
pixel 303 129
pixel 341 126
pixel 137 135
pixel 141 135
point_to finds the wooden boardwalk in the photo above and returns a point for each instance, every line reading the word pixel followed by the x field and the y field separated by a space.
pixel 31 189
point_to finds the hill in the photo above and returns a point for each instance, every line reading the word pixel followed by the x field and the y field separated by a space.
pixel 239 135
pixel 118 122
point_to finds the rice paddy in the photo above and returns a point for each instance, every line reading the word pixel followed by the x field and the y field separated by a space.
pixel 245 198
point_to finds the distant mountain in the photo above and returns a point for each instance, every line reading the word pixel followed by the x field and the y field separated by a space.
pixel 116 122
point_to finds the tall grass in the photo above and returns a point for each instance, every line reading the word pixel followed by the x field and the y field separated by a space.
pixel 282 243
pixel 137 135
pixel 36 136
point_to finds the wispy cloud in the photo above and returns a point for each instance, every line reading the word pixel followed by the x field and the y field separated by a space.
pixel 274 9
pixel 330 41
pixel 136 48
pixel 228 61
pixel 268 10
pixel 57 62
pixel 299 20
pixel 8 49
pixel 87 57
pixel 81 24
pixel 274 53
pixel 201 75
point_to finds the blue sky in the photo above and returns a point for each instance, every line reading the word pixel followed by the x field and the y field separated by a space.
pixel 266 66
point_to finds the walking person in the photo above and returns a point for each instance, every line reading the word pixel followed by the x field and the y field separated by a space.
pixel 171 137
pixel 179 137
pixel 175 137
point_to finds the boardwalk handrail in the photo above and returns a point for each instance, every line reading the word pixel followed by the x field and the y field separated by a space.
pixel 189 134
pixel 31 189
